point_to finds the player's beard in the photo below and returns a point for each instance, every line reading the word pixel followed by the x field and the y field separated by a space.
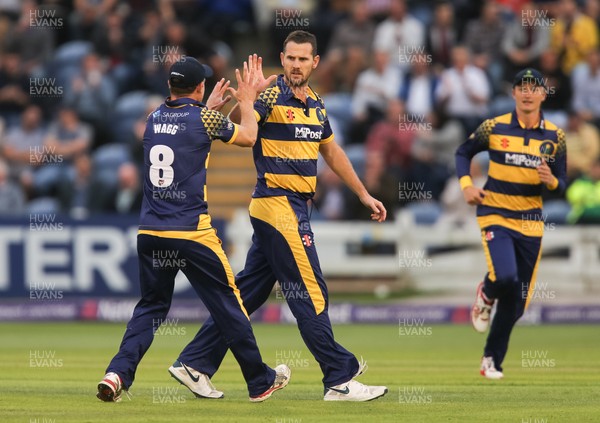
pixel 296 84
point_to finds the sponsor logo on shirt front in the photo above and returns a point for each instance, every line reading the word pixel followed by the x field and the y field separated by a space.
pixel 523 160
pixel 307 133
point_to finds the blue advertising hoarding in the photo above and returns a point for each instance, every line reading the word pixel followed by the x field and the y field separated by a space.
pixel 48 256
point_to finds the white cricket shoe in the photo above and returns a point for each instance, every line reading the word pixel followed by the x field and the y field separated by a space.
pixel 354 391
pixel 362 368
pixel 480 313
pixel 110 388
pixel 488 369
pixel 198 383
pixel 282 378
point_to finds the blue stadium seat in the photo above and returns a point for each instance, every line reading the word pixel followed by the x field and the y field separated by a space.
pixel 128 108
pixel 110 156
pixel 71 53
pixel 356 155
pixel 66 61
pixel 107 160
pixel 556 211
pixel 425 213
pixel 132 104
pixel 43 205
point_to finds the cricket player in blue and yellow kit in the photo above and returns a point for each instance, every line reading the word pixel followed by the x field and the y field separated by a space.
pixel 176 235
pixel 527 153
pixel 293 130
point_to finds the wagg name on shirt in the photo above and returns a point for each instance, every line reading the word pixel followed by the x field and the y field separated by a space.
pixel 522 160
pixel 162 123
pixel 165 128
pixel 306 133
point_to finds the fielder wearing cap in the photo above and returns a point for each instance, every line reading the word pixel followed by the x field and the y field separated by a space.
pixel 188 72
pixel 527 155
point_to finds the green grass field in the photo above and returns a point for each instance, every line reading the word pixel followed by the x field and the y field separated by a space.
pixel 49 374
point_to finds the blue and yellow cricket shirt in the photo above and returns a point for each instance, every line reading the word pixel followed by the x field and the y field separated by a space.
pixel 513 189
pixel 289 136
pixel 177 143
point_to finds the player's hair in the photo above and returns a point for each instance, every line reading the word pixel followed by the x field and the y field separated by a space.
pixel 182 91
pixel 302 37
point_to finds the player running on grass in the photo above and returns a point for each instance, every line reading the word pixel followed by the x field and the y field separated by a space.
pixel 177 145
pixel 293 130
pixel 526 153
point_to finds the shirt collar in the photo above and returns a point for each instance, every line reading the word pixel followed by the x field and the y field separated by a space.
pixel 516 123
pixel 287 92
pixel 182 102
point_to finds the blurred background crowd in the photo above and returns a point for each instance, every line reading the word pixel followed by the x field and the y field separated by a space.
pixel 404 83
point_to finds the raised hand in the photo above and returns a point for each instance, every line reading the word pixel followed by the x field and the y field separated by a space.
pixel 216 100
pixel 246 84
pixel 262 83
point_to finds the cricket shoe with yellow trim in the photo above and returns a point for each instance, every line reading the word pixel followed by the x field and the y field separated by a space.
pixel 282 378
pixel 488 369
pixel 110 388
pixel 481 311
pixel 197 382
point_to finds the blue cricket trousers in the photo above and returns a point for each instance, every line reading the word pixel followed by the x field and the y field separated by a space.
pixel 199 255
pixel 283 250
pixel 512 260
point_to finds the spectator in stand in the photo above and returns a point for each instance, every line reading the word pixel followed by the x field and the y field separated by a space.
pixel 435 142
pixel 225 20
pixel 464 91
pixel 86 15
pixel 573 36
pixel 586 88
pixel 584 197
pixel 150 30
pixel 92 93
pixel 441 35
pixel 392 139
pixel 67 139
pixel 33 40
pixel 192 41
pixel 484 38
pixel 524 41
pixel 375 87
pixel 12 199
pixel 418 86
pixel 136 137
pixel 14 87
pixel 329 196
pixel 112 41
pixel 23 146
pixel 126 198
pixel 157 73
pixel 592 9
pixel 511 9
pixel 584 146
pixel 380 179
pixel 387 152
pixel 78 197
pixel 10 9
pixel 559 91
pixel 348 50
pixel 401 35
pixel 456 211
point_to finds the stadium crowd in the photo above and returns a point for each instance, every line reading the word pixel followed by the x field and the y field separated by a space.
pixel 404 83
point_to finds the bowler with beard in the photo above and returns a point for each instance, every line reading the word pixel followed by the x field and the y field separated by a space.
pixel 292 130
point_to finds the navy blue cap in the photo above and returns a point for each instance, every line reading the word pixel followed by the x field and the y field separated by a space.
pixel 529 75
pixel 188 72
